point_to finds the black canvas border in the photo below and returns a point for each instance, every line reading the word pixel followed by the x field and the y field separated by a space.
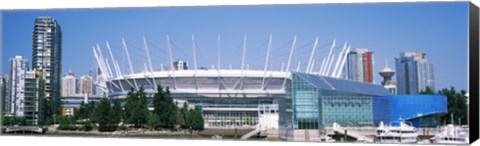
pixel 473 72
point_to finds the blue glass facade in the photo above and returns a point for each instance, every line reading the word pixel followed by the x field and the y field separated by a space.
pixel 421 110
pixel 318 102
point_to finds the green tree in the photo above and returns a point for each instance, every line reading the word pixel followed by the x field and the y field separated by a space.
pixel 91 111
pixel 61 120
pixel 82 112
pixel 103 115
pixel 195 119
pixel 159 109
pixel 427 90
pixel 116 112
pixel 136 108
pixel 22 121
pixel 130 106
pixel 171 120
pixel 457 105
pixel 154 121
pixel 165 108
pixel 7 121
pixel 142 106
pixel 183 115
pixel 180 119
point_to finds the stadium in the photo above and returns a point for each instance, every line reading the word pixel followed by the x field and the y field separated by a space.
pixel 285 99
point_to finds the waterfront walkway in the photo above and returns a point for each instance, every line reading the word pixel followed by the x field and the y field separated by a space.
pixel 24 129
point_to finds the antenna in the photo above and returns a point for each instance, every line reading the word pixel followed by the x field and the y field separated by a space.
pixel 386 62
pixel 218 51
pixel 244 49
pixel 194 52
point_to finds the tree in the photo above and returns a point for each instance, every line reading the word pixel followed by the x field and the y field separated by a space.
pixel 171 120
pixel 82 112
pixel 91 111
pixel 199 119
pixel 457 105
pixel 154 121
pixel 22 121
pixel 61 120
pixel 136 108
pixel 116 113
pixel 195 119
pixel 103 115
pixel 7 121
pixel 180 119
pixel 183 116
pixel 427 90
pixel 165 108
pixel 130 106
pixel 142 106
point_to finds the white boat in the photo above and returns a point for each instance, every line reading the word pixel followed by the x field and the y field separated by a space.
pixel 451 134
pixel 397 132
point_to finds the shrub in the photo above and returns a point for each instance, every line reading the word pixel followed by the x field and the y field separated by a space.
pixel 122 128
pixel 67 127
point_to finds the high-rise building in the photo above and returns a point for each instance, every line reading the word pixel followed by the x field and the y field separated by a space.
pixel 86 87
pixel 69 84
pixel 414 73
pixel 387 74
pixel 16 95
pixel 47 59
pixel 96 75
pixel 2 94
pixel 360 65
pixel 34 98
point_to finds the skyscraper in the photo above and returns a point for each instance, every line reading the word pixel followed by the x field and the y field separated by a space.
pixel 16 95
pixel 96 75
pixel 47 59
pixel 69 84
pixel 360 65
pixel 414 73
pixel 2 94
pixel 86 87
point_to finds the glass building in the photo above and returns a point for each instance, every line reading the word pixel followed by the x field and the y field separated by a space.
pixel 34 98
pixel 3 91
pixel 414 73
pixel 317 102
pixel 47 59
pixel 421 110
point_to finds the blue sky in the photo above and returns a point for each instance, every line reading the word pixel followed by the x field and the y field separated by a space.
pixel 438 29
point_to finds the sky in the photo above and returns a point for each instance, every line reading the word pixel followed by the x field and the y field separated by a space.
pixel 438 29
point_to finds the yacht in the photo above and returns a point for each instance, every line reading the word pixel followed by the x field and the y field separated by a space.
pixel 451 134
pixel 397 132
